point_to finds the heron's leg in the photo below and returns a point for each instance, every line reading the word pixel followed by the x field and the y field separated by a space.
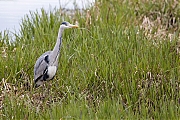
pixel 49 86
pixel 43 90
pixel 49 89
pixel 46 88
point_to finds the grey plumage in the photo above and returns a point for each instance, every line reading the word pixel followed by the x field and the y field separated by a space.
pixel 46 65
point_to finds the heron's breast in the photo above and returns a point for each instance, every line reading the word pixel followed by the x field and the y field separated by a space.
pixel 52 71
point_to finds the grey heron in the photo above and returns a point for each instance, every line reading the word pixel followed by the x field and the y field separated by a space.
pixel 46 65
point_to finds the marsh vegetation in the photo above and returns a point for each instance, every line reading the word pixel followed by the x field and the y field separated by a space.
pixel 124 63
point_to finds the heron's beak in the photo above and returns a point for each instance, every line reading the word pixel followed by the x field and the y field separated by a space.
pixel 73 26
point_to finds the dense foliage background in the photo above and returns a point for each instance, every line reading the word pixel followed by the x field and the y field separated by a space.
pixel 123 63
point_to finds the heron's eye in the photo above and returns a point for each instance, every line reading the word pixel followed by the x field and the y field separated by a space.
pixel 64 23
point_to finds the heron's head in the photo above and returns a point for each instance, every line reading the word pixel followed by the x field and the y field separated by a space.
pixel 65 25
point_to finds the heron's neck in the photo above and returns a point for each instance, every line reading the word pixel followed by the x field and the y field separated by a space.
pixel 55 53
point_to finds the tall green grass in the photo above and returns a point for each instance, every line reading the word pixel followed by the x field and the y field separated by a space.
pixel 109 70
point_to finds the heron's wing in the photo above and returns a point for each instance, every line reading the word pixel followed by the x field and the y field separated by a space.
pixel 41 65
